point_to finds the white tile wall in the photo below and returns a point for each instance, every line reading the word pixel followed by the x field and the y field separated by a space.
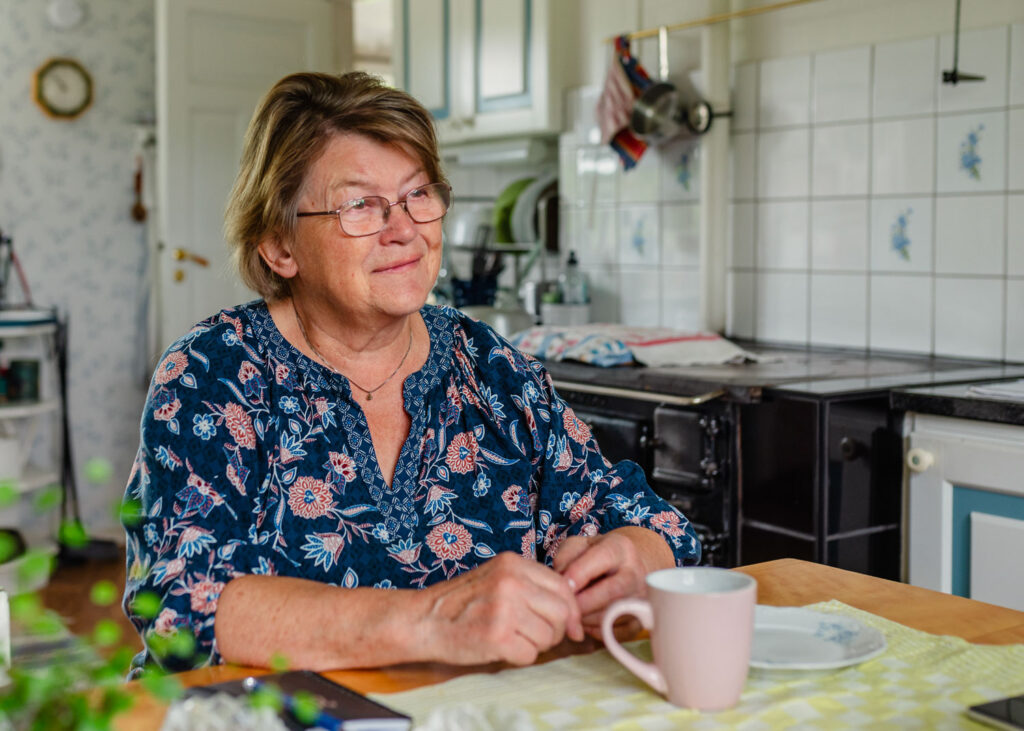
pixel 744 163
pixel 984 53
pixel 910 194
pixel 741 223
pixel 969 237
pixel 971 152
pixel 739 311
pixel 1015 320
pixel 903 157
pixel 680 298
pixel 1017 64
pixel 1015 156
pixel 781 306
pixel 782 164
pixel 839 309
pixel 785 92
pixel 639 236
pixel 1015 235
pixel 901 234
pixel 901 313
pixel 904 78
pixel 840 158
pixel 842 85
pixel 640 297
pixel 969 317
pixel 782 235
pixel 680 234
pixel 839 235
pixel 744 97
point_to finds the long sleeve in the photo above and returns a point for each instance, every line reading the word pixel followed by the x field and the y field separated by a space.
pixel 194 491
pixel 582 493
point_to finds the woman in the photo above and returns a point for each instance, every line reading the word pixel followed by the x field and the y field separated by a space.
pixel 343 476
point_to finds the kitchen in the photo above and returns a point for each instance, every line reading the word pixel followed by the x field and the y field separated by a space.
pixel 839 130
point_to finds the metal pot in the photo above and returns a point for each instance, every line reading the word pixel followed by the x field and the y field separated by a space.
pixel 658 115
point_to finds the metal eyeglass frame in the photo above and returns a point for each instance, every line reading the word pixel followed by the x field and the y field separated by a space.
pixel 403 202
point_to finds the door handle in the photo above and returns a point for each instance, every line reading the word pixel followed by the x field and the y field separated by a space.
pixel 180 254
pixel 919 459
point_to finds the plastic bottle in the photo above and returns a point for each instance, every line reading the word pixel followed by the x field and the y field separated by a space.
pixel 572 283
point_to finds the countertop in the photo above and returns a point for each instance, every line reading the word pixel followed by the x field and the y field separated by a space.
pixel 957 401
pixel 810 372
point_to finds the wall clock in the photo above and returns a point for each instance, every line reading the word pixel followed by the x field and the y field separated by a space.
pixel 62 88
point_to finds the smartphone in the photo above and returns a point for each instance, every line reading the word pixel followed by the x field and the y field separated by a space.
pixel 1005 713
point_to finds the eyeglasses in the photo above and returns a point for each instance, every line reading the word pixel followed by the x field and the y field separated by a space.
pixel 369 215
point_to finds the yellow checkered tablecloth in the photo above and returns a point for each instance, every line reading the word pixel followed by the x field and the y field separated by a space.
pixel 921 681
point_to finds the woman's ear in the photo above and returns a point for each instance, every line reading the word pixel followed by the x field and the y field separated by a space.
pixel 276 253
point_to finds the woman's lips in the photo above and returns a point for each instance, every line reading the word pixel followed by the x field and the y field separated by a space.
pixel 399 267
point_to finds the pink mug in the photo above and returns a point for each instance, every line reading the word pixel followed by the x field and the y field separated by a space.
pixel 701 621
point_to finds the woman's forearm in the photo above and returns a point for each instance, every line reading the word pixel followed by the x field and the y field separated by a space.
pixel 315 626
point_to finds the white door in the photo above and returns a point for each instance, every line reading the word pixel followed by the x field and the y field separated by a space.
pixel 215 60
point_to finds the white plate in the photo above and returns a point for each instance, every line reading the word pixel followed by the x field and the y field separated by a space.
pixel 792 638
pixel 524 228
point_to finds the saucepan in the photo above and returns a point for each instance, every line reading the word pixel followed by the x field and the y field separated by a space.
pixel 663 110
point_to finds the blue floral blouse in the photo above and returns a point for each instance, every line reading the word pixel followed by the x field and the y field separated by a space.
pixel 255 459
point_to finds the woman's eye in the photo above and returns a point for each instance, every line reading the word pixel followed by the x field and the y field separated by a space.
pixel 356 205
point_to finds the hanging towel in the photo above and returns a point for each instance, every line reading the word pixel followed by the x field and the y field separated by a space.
pixel 625 81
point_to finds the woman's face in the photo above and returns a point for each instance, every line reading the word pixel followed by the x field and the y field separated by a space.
pixel 386 274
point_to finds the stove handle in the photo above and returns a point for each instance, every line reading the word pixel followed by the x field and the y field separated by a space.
pixel 661 398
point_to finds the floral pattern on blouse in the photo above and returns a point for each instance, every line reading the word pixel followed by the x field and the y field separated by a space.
pixel 255 459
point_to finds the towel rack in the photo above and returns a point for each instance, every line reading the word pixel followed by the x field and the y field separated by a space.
pixel 709 20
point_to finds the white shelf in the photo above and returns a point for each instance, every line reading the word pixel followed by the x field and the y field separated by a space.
pixel 20 330
pixel 32 408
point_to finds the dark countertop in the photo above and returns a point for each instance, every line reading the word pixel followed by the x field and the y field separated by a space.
pixel 957 401
pixel 812 372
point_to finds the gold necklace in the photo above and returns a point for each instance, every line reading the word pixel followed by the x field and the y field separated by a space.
pixel 368 391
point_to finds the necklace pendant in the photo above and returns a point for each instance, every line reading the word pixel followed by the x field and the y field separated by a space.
pixel 369 397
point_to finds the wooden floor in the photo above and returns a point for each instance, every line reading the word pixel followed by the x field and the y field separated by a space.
pixel 68 594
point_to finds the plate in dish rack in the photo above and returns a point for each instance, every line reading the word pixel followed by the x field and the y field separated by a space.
pixel 793 638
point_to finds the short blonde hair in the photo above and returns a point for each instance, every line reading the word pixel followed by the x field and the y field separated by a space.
pixel 292 125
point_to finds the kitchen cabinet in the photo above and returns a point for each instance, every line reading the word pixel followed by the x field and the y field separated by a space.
pixel 965 507
pixel 486 68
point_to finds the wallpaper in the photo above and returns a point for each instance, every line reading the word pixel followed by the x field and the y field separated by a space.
pixel 66 191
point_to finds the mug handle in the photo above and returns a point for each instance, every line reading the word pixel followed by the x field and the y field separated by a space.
pixel 641 609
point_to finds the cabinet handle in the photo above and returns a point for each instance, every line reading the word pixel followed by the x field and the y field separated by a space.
pixel 186 255
pixel 919 460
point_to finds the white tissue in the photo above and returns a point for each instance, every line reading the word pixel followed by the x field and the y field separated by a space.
pixel 220 712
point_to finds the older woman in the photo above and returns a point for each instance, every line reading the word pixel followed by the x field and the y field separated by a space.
pixel 345 477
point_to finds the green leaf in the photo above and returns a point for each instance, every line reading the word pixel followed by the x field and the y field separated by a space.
pixel 8 493
pixel 267 696
pixel 25 607
pixel 106 633
pixel 72 534
pixel 35 567
pixel 47 499
pixel 165 687
pixel 103 593
pixel 130 512
pixel 46 623
pixel 306 707
pixel 279 662
pixel 146 604
pixel 98 470
pixel 183 643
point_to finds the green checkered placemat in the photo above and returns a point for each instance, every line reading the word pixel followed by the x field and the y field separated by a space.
pixel 920 681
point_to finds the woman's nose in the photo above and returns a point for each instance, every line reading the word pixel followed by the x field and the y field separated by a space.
pixel 398 222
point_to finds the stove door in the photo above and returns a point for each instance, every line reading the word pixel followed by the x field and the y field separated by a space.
pixel 681 457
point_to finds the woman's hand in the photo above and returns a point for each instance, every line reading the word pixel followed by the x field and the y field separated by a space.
pixel 608 567
pixel 508 609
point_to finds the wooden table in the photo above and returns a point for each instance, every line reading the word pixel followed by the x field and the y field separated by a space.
pixel 786 582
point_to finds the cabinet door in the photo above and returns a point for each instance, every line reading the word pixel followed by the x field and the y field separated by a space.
pixel 424 53
pixel 966 508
